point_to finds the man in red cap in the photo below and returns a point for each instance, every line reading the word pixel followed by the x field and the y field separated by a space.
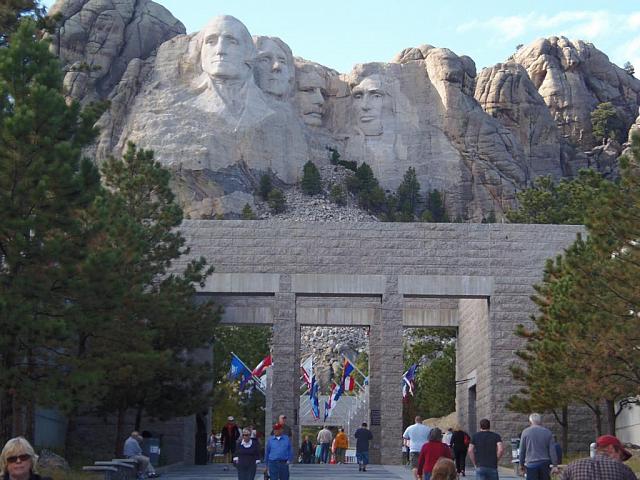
pixel 605 465
pixel 278 454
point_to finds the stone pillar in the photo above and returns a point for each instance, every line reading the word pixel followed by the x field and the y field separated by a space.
pixel 284 398
pixel 386 369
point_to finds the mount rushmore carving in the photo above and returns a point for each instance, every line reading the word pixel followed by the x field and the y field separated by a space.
pixel 220 108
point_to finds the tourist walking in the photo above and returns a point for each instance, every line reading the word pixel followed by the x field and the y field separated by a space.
pixel 18 461
pixel 607 464
pixel 363 437
pixel 229 437
pixel 459 444
pixel 306 450
pixel 247 456
pixel 278 454
pixel 444 469
pixel 342 443
pixel 431 452
pixel 417 435
pixel 324 440
pixel 537 450
pixel 212 443
pixel 286 429
pixel 485 451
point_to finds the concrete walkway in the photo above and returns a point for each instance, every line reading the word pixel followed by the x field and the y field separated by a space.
pixel 305 472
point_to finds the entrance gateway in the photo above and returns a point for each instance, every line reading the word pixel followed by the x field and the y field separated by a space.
pixel 384 276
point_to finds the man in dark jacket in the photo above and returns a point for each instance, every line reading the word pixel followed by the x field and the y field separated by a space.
pixel 363 437
pixel 229 436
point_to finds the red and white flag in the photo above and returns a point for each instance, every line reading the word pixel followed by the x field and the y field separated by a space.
pixel 306 370
pixel 262 366
pixel 349 384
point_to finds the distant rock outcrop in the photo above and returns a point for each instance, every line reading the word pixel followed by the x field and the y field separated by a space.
pixel 221 108
pixel 573 78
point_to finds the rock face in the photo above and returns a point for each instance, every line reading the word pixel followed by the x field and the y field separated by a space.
pixel 99 38
pixel 221 108
pixel 573 78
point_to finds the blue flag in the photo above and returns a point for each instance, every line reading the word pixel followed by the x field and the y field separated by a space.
pixel 313 396
pixel 239 369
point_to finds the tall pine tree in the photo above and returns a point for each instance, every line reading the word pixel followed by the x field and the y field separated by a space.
pixel 44 183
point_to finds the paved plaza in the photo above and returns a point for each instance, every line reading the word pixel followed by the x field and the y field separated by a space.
pixel 306 472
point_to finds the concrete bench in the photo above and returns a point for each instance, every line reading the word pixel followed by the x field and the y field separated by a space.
pixel 109 473
pixel 127 470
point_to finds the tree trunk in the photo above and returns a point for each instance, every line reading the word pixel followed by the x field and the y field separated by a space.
pixel 139 411
pixel 72 425
pixel 122 412
pixel 30 420
pixel 611 416
pixel 597 417
pixel 6 416
pixel 565 429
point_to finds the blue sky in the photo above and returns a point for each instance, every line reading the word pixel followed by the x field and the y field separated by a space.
pixel 341 33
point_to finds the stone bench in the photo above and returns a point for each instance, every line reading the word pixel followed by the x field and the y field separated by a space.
pixel 109 473
pixel 127 469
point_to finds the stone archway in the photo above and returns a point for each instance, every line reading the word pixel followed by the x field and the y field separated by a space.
pixel 267 271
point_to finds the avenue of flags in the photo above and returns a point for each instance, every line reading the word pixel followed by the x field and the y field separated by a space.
pixel 256 378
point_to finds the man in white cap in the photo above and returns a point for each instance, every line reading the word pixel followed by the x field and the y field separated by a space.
pixel 229 436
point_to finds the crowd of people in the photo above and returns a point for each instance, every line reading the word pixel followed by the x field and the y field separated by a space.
pixel 243 449
pixel 437 456
pixel 432 454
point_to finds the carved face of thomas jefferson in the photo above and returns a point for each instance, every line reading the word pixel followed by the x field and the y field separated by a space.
pixel 227 49
pixel 368 98
pixel 273 69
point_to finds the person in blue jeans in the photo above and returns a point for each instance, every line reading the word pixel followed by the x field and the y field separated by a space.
pixel 485 451
pixel 363 437
pixel 538 457
pixel 278 454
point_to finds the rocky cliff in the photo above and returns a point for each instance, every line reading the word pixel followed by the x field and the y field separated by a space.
pixel 220 108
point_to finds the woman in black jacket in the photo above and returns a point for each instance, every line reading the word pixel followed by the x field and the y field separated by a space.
pixel 459 445
pixel 247 456
pixel 18 461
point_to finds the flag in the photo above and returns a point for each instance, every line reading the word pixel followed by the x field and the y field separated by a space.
pixel 336 393
pixel 327 410
pixel 313 396
pixel 346 371
pixel 237 368
pixel 408 381
pixel 349 384
pixel 262 366
pixel 306 370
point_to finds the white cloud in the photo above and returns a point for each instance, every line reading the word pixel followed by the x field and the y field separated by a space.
pixel 576 24
pixel 629 51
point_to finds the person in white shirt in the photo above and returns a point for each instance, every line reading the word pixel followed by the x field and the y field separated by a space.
pixel 417 435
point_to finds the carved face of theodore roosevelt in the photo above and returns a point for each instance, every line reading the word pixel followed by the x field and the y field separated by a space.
pixel 368 97
pixel 310 97
pixel 227 49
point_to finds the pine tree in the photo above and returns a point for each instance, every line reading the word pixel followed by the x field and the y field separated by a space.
pixel 265 187
pixel 311 182
pixel 276 200
pixel 606 123
pixel 337 195
pixel 436 207
pixel 44 184
pixel 628 67
pixel 247 213
pixel 566 202
pixel 409 195
pixel 141 325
